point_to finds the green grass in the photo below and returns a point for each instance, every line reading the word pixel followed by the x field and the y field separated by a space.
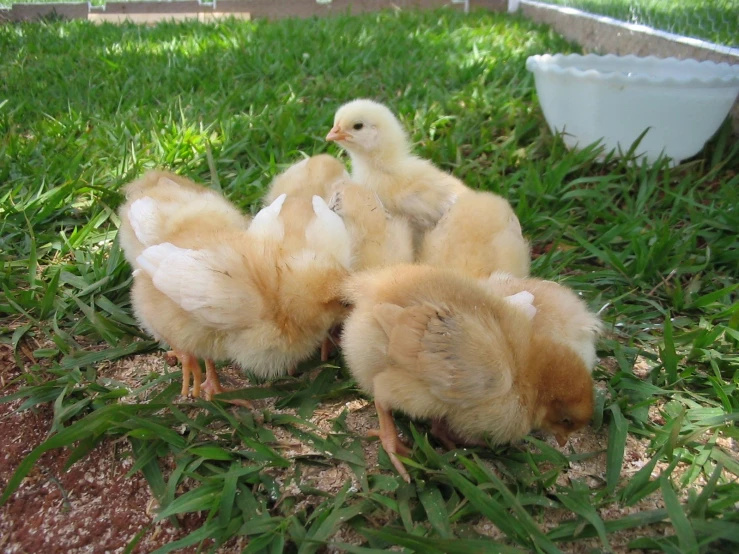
pixel 86 108
pixel 712 20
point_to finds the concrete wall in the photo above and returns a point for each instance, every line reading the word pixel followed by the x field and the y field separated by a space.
pixel 26 12
pixel 269 9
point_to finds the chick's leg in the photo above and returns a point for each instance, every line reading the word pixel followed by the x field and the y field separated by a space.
pixel 190 367
pixel 448 438
pixel 440 430
pixel 326 349
pixel 212 385
pixel 389 438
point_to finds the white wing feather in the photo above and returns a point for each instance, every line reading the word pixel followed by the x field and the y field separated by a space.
pixel 144 215
pixel 267 224
pixel 328 234
pixel 195 281
pixel 524 301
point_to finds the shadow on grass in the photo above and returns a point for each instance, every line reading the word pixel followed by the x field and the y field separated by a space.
pixel 123 96
pixel 214 72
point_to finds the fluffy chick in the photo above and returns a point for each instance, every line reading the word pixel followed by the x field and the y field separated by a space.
pixel 309 177
pixel 382 161
pixel 378 238
pixel 264 297
pixel 555 310
pixel 560 313
pixel 436 344
pixel 480 234
pixel 162 206
pixel 269 294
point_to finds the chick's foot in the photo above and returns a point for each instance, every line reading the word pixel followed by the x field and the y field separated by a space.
pixel 441 431
pixel 212 386
pixel 392 444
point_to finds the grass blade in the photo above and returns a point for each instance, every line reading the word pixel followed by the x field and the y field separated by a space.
pixel 617 432
pixel 683 529
pixel 433 503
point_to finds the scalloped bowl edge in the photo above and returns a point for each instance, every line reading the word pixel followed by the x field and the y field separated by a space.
pixel 615 98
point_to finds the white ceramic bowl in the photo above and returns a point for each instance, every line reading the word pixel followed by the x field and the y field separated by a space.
pixel 615 98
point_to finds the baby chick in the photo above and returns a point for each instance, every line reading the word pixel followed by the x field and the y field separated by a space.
pixel 264 297
pixel 271 293
pixel 560 313
pixel 309 177
pixel 436 344
pixel 378 238
pixel 555 310
pixel 162 206
pixel 480 234
pixel 382 161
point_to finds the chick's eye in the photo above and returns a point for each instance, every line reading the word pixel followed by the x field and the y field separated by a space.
pixel 358 126
pixel 567 421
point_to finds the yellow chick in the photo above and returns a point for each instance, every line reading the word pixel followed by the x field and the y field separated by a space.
pixel 378 238
pixel 271 293
pixel 556 311
pixel 264 297
pixel 309 177
pixel 560 313
pixel 161 206
pixel 480 234
pixel 382 161
pixel 436 344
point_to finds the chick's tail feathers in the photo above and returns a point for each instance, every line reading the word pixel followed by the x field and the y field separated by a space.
pixel 267 223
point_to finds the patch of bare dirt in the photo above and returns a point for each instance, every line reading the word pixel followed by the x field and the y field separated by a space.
pixel 93 507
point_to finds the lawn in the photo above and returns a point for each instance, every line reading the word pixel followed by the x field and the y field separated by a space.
pixel 712 20
pixel 86 108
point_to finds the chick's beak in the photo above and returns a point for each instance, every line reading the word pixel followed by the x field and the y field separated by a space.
pixel 561 438
pixel 336 134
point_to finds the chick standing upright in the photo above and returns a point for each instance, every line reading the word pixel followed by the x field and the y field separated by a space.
pixel 382 161
pixel 164 206
pixel 436 344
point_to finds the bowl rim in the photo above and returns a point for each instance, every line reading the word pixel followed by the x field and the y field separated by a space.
pixel 550 63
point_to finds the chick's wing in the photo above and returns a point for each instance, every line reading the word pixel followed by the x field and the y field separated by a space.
pixel 203 283
pixel 432 342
